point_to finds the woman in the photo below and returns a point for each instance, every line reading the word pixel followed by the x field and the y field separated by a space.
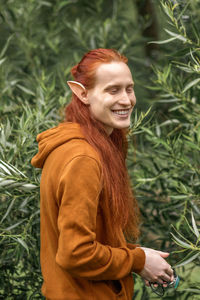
pixel 87 209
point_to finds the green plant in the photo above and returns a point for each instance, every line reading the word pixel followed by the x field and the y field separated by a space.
pixel 39 42
pixel 164 157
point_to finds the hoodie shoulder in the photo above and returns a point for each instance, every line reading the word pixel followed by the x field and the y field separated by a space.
pixel 62 140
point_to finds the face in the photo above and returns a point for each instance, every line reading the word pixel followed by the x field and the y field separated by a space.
pixel 112 99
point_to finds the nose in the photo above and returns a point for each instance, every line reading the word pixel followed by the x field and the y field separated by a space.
pixel 128 99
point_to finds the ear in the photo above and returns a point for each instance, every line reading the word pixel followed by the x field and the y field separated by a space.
pixel 79 90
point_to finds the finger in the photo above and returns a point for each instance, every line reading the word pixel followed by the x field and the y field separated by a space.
pixel 165 278
pixel 158 281
pixel 172 278
pixel 165 284
pixel 170 272
pixel 163 254
pixel 146 282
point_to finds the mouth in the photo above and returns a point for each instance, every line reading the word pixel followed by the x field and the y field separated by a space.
pixel 121 112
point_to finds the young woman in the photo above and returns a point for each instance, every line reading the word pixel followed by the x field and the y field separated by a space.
pixel 87 209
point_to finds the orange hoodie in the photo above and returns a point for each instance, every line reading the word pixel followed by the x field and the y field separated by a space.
pixel 77 261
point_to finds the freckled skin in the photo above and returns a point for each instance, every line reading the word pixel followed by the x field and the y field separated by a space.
pixel 113 92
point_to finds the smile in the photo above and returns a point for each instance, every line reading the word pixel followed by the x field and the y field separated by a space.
pixel 121 112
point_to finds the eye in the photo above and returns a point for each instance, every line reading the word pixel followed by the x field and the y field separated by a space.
pixel 129 89
pixel 113 91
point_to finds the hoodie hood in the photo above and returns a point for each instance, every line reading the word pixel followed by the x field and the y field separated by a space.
pixel 53 138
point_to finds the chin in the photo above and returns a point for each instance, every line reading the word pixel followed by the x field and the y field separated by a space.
pixel 112 125
pixel 123 126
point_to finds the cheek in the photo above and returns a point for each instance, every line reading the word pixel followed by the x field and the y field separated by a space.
pixel 96 109
pixel 112 100
pixel 101 103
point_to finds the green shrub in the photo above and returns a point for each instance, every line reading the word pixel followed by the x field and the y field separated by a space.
pixel 39 42
pixel 164 158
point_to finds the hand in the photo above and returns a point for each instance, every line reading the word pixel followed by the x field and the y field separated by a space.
pixel 156 269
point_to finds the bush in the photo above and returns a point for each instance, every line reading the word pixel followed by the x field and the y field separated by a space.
pixel 37 42
pixel 164 158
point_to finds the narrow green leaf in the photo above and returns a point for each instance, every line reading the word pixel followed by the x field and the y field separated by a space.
pixel 162 142
pixel 168 100
pixel 45 3
pixel 187 261
pixel 167 72
pixel 169 122
pixel 25 90
pixel 196 231
pixel 29 186
pixel 163 42
pixel 4 168
pixel 176 107
pixel 174 6
pixel 23 243
pixel 180 242
pixel 193 145
pixel 8 210
pixel 183 237
pixel 11 168
pixel 167 10
pixel 191 84
pixel 4 183
pixel 3 51
pixel 179 196
pixel 177 36
pixel 2 60
pixel 146 179
pixel 189 226
pixel 14 225
pixel 64 3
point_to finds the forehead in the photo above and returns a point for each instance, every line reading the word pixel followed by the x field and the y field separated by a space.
pixel 116 73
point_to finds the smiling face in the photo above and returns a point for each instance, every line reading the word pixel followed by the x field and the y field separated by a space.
pixel 112 99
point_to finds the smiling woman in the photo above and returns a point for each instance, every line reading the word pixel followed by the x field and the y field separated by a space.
pixel 87 207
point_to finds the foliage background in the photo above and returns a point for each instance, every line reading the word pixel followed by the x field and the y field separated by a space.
pixel 39 42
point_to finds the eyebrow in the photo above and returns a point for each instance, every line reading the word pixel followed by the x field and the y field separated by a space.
pixel 108 87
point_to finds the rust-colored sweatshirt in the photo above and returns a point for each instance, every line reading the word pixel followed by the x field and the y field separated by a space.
pixel 77 261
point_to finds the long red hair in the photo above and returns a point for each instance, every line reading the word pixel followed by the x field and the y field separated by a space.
pixel 122 206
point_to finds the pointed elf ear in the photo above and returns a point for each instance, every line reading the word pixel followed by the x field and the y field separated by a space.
pixel 79 90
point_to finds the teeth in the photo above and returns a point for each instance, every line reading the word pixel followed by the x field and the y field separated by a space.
pixel 120 112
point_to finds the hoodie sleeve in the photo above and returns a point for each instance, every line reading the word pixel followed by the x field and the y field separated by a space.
pixel 78 251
